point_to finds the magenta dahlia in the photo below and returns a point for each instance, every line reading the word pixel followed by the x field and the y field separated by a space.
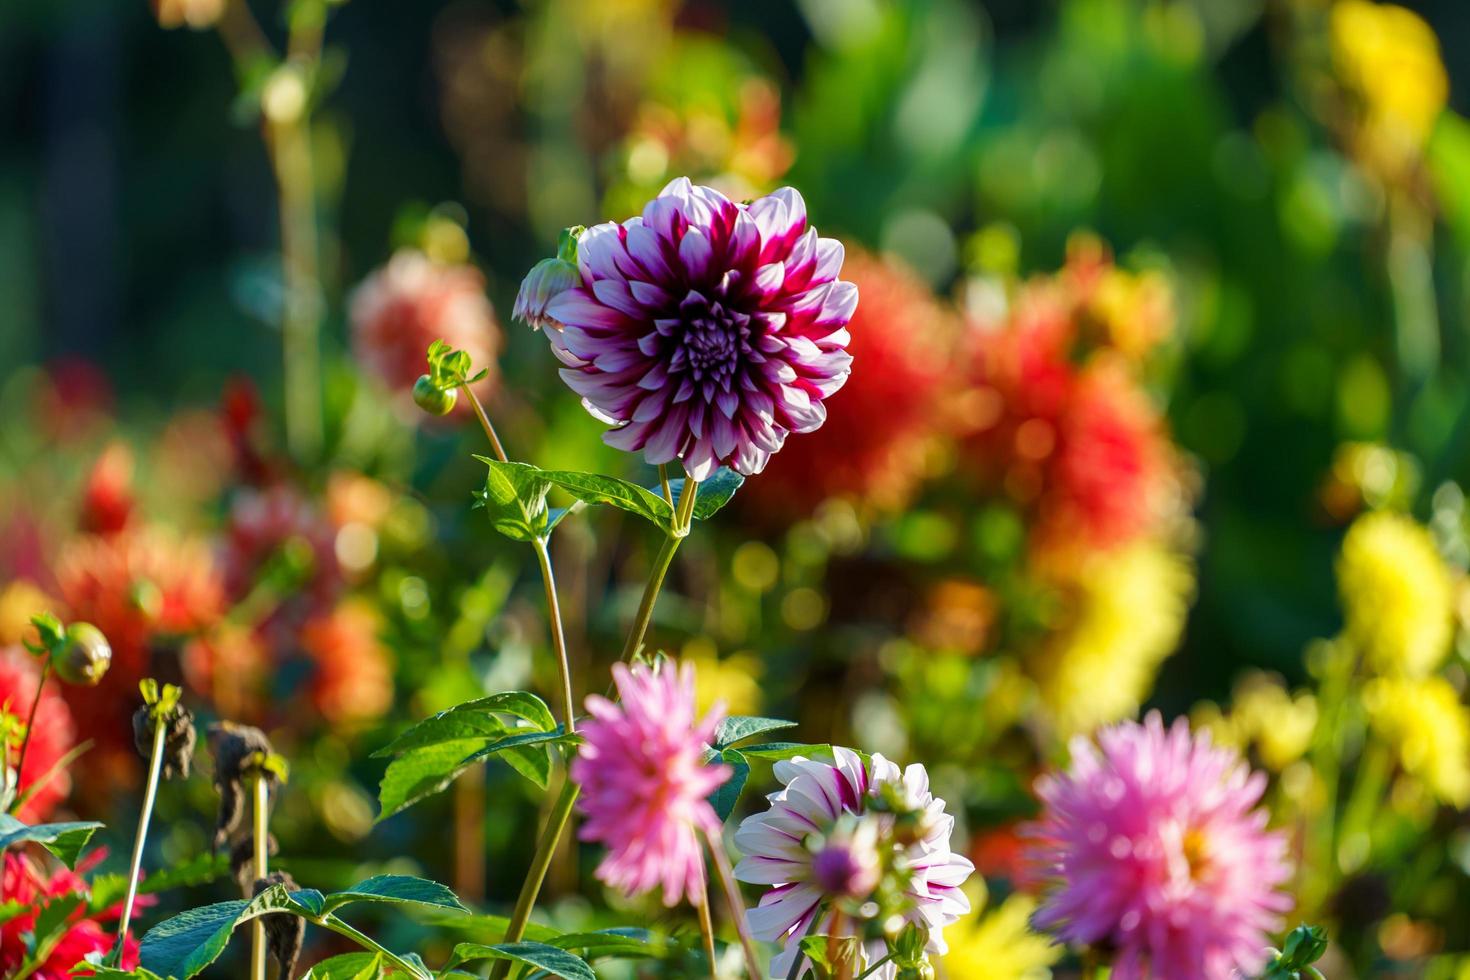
pixel 800 847
pixel 704 330
pixel 1153 846
pixel 645 782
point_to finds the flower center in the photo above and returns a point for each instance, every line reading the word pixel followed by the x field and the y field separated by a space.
pixel 714 339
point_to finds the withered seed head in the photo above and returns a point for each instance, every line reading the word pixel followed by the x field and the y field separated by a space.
pixel 178 740
pixel 239 751
pixel 284 933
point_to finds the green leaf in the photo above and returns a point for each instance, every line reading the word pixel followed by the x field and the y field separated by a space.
pixel 50 927
pixel 594 488
pixel 397 890
pixel 624 942
pixel 187 943
pixel 556 962
pixel 421 773
pixel 514 498
pixel 108 890
pixel 65 840
pixel 349 966
pixel 725 798
pixel 98 972
pixel 714 493
pixel 473 719
pixel 522 740
pixel 737 728
pixel 777 751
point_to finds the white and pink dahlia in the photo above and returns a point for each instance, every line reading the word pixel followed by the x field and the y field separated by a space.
pixel 705 330
pixel 791 846
pixel 645 783
pixel 1153 846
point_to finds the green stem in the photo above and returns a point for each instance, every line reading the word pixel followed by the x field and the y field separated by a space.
pixel 155 770
pixel 661 562
pixel 707 930
pixel 663 480
pixel 262 808
pixel 1355 842
pixel 290 146
pixel 495 443
pixel 25 742
pixel 343 929
pixel 558 634
pixel 561 813
pixel 737 905
pixel 874 968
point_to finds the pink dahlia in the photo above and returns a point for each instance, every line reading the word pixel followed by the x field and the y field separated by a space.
pixel 1153 846
pixel 790 846
pixel 645 782
pixel 705 330
pixel 27 884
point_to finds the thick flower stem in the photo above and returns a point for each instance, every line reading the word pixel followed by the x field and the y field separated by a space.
pixel 262 810
pixel 661 562
pixel 155 770
pixel 558 635
pixel 290 145
pixel 556 823
pixel 25 742
pixel 562 810
pixel 707 930
pixel 732 897
pixel 495 443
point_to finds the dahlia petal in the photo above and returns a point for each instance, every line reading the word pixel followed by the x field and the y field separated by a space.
pixel 578 307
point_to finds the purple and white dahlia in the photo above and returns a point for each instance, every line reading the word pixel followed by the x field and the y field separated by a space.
pixel 704 330
pixel 800 847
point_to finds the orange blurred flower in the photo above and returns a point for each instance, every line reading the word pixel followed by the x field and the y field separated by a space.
pixel 353 682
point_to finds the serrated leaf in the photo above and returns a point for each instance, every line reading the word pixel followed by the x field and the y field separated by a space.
pixel 187 943
pixel 554 961
pixel 396 890
pixel 473 719
pixel 349 966
pixel 727 795
pixel 65 840
pixel 522 740
pixel 594 488
pixel 514 499
pixel 737 728
pixel 421 773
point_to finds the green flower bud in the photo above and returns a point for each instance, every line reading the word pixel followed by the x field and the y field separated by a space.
pixel 433 399
pixel 84 657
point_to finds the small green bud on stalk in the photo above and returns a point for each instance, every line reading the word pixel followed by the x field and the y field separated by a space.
pixel 433 399
pixel 83 658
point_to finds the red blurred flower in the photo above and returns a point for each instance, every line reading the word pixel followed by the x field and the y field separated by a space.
pixel 231 667
pixel 353 681
pixel 882 424
pixel 23 882
pixel 52 735
pixel 242 418
pixel 136 586
pixel 405 306
pixel 107 497
pixel 280 523
pixel 1065 432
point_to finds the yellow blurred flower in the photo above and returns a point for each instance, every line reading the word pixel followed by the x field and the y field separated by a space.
pixel 1397 594
pixel 1265 716
pixel 735 680
pixel 19 601
pixel 1129 609
pixel 1428 727
pixel 1388 59
pixel 999 945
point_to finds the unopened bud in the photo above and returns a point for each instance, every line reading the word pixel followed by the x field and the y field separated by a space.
pixel 547 280
pixel 84 656
pixel 432 398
